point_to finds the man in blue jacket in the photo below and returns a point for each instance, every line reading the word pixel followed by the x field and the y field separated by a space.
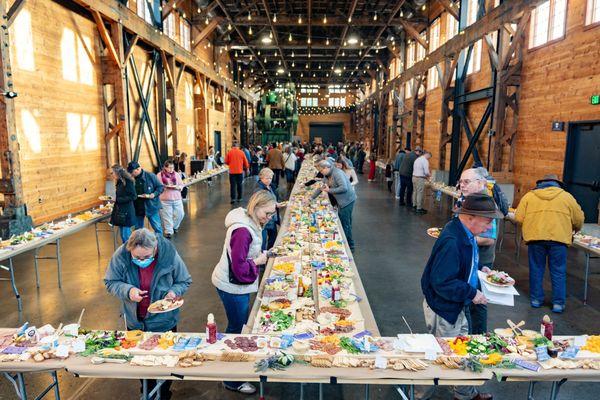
pixel 148 188
pixel 449 281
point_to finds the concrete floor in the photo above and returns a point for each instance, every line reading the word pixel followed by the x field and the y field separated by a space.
pixel 392 249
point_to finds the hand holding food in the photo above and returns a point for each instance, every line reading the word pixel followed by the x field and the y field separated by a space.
pixel 261 259
pixel 170 295
pixel 136 294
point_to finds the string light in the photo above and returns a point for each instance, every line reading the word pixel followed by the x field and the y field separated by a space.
pixel 229 27
pixel 250 31
pixel 274 17
pixel 375 17
pixel 290 37
pixel 206 21
pixel 299 19
pixel 327 42
pixel 325 19
pixel 249 16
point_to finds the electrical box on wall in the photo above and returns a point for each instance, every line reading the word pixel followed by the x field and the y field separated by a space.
pixel 595 99
pixel 558 126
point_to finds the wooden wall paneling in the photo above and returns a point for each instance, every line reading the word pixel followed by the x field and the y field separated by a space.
pixel 186 139
pixel 200 116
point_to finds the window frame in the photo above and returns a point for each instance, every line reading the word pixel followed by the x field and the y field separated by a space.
pixel 589 8
pixel 550 19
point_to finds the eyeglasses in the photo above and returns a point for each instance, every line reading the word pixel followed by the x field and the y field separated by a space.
pixel 467 181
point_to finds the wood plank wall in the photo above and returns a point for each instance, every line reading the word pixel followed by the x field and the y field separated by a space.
pixel 557 82
pixel 55 63
pixel 57 75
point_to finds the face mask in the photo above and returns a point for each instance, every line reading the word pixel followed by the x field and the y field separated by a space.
pixel 143 263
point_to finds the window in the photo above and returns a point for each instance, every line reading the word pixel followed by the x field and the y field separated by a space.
pixel 309 89
pixel 410 54
pixel 475 60
pixel 76 53
pixel 169 26
pixel 337 102
pixel 408 89
pixel 421 51
pixel 451 27
pixel 548 22
pixel 309 102
pixel 184 34
pixel 434 35
pixel 592 14
pixel 432 78
pixel 23 41
pixel 143 10
pixel 336 89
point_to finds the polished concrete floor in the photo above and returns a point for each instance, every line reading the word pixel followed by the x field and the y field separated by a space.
pixel 392 249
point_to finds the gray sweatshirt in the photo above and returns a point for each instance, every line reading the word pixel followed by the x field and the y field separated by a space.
pixel 339 186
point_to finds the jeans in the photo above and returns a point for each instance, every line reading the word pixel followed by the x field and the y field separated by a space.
pixel 555 254
pixel 289 176
pixel 268 237
pixel 439 327
pixel 477 317
pixel 237 307
pixel 406 188
pixel 235 186
pixel 154 220
pixel 277 173
pixel 125 232
pixel 171 214
pixel 419 191
pixel 397 183
pixel 345 214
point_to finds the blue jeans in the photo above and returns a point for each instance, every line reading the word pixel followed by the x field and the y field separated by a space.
pixel 289 175
pixel 268 237
pixel 556 255
pixel 154 222
pixel 345 214
pixel 125 232
pixel 237 308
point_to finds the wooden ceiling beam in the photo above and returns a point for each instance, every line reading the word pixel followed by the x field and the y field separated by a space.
pixel 106 38
pixel 206 31
pixel 506 12
pixel 449 6
pixel 290 21
pixel 414 34
pixel 167 8
pixel 13 11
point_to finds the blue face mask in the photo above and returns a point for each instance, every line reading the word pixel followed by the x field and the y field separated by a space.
pixel 143 263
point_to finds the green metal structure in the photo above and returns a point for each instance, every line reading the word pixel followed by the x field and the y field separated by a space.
pixel 277 114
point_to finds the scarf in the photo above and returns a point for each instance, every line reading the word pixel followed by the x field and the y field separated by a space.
pixel 168 178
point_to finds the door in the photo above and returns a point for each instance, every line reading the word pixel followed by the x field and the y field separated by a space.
pixel 327 132
pixel 582 166
pixel 217 142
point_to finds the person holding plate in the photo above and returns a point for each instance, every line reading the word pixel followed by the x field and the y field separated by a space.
pixel 145 269
pixel 172 211
pixel 236 274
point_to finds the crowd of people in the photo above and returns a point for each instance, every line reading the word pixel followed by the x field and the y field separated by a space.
pixel 147 267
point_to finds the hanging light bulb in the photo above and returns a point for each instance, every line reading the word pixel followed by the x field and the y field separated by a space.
pixel 206 21
pixel 293 64
pixel 325 19
pixel 361 43
pixel 343 53
pixel 275 17
pixel 249 16
pixel 265 59
pixel 299 19
pixel 271 35
pixel 275 53
pixel 258 52
pixel 308 41
pixel 292 53
pixel 250 31
pixel 327 42
pixel 290 37
pixel 375 17
pixel 229 27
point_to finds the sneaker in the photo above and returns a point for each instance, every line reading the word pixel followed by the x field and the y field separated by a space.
pixel 557 308
pixel 244 388
pixel 536 304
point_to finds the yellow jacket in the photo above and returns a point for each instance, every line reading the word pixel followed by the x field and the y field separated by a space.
pixel 549 214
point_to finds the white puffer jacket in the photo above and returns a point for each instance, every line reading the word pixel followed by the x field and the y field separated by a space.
pixel 237 218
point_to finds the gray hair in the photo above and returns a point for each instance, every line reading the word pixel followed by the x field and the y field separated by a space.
pixel 484 172
pixel 477 173
pixel 141 238
pixel 325 164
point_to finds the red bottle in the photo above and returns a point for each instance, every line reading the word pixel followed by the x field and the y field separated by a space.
pixel 336 295
pixel 211 329
pixel 547 327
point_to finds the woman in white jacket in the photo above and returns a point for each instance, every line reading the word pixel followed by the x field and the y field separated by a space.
pixel 236 274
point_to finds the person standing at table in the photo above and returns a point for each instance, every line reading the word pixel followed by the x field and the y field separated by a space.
pixel 471 182
pixel 148 188
pixel 361 155
pixel 372 167
pixel 289 161
pixel 420 176
pixel 276 163
pixel 238 163
pixel 146 269
pixel 236 274
pixel 406 172
pixel 209 163
pixel 549 216
pixel 397 163
pixel 172 211
pixel 336 183
pixel 123 213
pixel 449 281
pixel 265 182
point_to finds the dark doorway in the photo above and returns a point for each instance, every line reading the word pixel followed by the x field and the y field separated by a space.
pixel 217 142
pixel 582 166
pixel 328 132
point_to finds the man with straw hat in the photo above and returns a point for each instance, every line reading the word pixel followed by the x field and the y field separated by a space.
pixel 449 281
pixel 549 216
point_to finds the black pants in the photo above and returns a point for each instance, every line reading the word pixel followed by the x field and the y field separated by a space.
pixel 235 186
pixel 406 187
pixel 277 173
